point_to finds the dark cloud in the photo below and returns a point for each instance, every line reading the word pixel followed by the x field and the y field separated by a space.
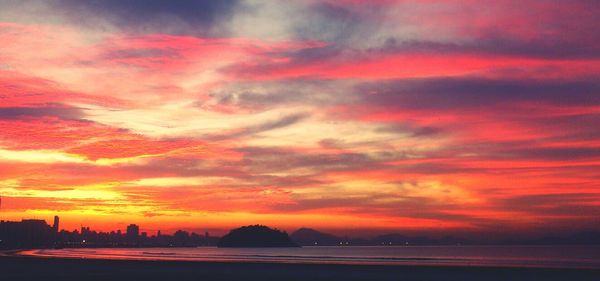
pixel 330 54
pixel 276 124
pixel 438 168
pixel 532 149
pixel 59 111
pixel 545 48
pixel 267 126
pixel 138 16
pixel 264 95
pixel 316 54
pixel 267 159
pixel 335 23
pixel 438 93
pixel 566 204
pixel 461 93
pixel 412 130
pixel 141 54
pixel 551 154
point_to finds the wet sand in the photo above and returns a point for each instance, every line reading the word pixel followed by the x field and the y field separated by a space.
pixel 38 268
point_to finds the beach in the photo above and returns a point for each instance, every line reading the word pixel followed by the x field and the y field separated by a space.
pixel 14 267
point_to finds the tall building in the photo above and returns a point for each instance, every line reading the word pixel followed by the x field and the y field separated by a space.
pixel 55 225
pixel 26 234
pixel 85 230
pixel 133 230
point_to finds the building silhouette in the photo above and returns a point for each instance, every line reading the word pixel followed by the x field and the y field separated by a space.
pixel 55 225
pixel 133 230
pixel 27 234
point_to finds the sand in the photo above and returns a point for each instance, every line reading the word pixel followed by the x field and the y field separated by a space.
pixel 38 268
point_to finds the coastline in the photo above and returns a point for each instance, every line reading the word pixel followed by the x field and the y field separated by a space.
pixel 16 267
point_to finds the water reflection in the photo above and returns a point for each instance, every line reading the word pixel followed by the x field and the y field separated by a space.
pixel 513 256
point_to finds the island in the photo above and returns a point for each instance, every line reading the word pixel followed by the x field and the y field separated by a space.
pixel 256 236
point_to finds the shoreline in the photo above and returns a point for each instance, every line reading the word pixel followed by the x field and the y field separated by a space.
pixel 16 267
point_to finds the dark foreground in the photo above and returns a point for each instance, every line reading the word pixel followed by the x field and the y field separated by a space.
pixel 34 268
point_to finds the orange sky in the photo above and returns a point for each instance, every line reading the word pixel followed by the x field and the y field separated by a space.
pixel 337 115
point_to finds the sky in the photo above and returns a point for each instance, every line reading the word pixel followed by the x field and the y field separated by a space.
pixel 361 116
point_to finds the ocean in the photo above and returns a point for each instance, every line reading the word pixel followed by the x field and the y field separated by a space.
pixel 503 256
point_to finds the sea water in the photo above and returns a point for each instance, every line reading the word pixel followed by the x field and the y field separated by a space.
pixel 510 256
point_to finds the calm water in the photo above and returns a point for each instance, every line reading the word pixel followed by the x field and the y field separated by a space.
pixel 521 256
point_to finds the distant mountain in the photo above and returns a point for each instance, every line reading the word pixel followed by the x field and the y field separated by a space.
pixel 311 237
pixel 255 236
pixel 390 239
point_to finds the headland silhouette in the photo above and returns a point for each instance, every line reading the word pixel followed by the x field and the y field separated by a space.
pixel 255 236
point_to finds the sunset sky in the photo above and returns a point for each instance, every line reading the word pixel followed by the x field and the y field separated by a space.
pixel 345 115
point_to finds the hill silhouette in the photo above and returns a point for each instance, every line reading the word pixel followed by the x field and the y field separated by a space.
pixel 255 236
pixel 309 236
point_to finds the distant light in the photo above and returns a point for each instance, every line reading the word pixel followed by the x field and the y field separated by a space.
pixel 83 241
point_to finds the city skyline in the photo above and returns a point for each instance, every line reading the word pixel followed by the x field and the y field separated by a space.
pixel 360 117
pixel 36 233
